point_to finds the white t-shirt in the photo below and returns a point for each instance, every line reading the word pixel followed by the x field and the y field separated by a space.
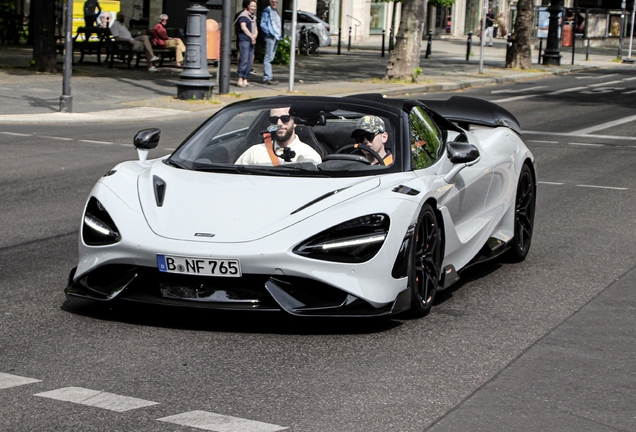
pixel 257 154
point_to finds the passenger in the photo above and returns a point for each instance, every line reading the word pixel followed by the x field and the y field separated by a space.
pixel 284 144
pixel 370 131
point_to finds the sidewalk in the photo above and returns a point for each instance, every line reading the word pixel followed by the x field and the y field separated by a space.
pixel 119 94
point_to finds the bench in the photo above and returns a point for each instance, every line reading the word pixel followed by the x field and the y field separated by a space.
pixel 92 41
pixel 124 52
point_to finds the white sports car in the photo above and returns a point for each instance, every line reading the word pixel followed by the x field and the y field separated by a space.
pixel 353 233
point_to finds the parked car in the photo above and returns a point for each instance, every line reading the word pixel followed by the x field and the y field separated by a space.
pixel 343 237
pixel 318 29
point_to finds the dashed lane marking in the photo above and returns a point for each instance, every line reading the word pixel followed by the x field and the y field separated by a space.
pixel 567 90
pixel 605 125
pixel 510 99
pixel 96 398
pixel 96 142
pixel 587 144
pixel 544 142
pixel 517 90
pixel 15 134
pixel 595 76
pixel 580 135
pixel 8 380
pixel 605 83
pixel 551 183
pixel 57 138
pixel 601 187
pixel 219 423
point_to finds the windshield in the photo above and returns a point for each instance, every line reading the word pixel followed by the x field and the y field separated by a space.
pixel 304 137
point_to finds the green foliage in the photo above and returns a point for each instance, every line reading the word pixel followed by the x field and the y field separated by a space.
pixel 417 73
pixel 283 51
pixel 441 3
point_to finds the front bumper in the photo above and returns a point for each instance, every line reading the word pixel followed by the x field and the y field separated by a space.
pixel 293 295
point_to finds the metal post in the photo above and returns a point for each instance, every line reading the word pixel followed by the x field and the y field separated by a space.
pixel 620 39
pixel 629 58
pixel 194 82
pixel 469 45
pixel 66 100
pixel 339 39
pixel 383 37
pixel 391 39
pixel 349 45
pixel 576 11
pixel 292 51
pixel 552 55
pixel 429 44
pixel 508 45
pixel 483 36
pixel 587 50
pixel 226 48
pixel 540 50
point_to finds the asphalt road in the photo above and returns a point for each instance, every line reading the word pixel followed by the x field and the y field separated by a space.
pixel 494 354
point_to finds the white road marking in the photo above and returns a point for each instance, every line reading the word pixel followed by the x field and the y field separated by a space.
pixel 518 90
pixel 57 138
pixel 567 90
pixel 629 79
pixel 510 99
pixel 15 134
pixel 546 142
pixel 219 423
pixel 605 83
pixel 587 144
pixel 605 125
pixel 578 135
pixel 595 76
pixel 629 92
pixel 8 380
pixel 95 142
pixel 551 183
pixel 601 187
pixel 96 398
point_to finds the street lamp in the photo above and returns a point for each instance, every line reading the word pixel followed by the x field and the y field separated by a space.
pixel 629 58
pixel 551 55
pixel 195 82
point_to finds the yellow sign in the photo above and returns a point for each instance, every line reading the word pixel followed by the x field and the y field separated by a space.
pixel 110 6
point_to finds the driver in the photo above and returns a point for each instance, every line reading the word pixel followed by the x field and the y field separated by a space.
pixel 284 138
pixel 370 131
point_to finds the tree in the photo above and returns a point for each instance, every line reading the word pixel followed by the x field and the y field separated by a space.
pixel 408 41
pixel 42 26
pixel 519 55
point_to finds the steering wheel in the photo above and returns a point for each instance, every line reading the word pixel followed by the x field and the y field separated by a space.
pixel 368 149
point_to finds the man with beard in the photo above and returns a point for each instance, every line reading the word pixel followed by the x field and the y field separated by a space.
pixel 283 146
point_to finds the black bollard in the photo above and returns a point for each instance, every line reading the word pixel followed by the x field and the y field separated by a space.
pixel 508 46
pixel 383 37
pixel 429 44
pixel 469 45
pixel 540 50
pixel 339 39
pixel 390 39
pixel 349 45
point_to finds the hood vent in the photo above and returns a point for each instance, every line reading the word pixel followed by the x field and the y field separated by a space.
pixel 160 189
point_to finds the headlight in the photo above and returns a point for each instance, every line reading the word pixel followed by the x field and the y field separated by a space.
pixel 354 241
pixel 98 228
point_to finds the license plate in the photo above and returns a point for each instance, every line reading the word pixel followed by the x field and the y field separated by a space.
pixel 199 266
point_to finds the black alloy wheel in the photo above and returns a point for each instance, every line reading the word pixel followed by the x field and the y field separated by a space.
pixel 425 262
pixel 524 216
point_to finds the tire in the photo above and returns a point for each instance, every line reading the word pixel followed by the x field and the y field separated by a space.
pixel 425 262
pixel 525 201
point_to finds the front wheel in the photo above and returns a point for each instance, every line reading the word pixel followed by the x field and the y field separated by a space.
pixel 425 262
pixel 524 216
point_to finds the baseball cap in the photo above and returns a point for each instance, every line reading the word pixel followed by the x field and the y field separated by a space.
pixel 369 123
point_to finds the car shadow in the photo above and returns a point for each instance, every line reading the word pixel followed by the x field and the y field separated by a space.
pixel 225 321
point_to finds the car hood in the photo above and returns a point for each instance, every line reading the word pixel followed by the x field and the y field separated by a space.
pixel 229 208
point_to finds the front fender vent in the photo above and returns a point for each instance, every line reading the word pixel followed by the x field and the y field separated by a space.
pixel 160 190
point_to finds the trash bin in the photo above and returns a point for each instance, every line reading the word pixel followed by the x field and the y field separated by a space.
pixel 213 39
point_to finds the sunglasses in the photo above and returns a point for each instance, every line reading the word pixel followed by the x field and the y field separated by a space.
pixel 369 136
pixel 284 118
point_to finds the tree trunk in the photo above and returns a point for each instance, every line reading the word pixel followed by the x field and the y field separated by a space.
pixel 406 53
pixel 519 54
pixel 43 27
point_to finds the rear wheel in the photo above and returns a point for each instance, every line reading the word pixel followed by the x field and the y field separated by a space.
pixel 524 216
pixel 425 262
pixel 313 44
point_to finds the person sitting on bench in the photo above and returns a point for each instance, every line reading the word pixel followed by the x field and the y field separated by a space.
pixel 161 39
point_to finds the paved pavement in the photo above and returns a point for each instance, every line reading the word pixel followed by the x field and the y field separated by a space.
pixel 118 94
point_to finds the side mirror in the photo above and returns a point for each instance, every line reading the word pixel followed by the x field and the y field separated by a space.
pixel 461 155
pixel 460 152
pixel 147 139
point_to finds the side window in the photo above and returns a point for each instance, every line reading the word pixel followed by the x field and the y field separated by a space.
pixel 426 138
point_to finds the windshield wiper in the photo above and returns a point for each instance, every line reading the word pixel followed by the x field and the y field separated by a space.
pixel 174 163
pixel 241 169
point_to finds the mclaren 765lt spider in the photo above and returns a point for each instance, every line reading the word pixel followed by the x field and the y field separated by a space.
pixel 313 206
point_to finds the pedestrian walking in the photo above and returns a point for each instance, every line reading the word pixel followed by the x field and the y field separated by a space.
pixel 490 21
pixel 272 30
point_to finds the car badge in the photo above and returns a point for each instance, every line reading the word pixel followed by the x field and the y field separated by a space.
pixel 204 235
